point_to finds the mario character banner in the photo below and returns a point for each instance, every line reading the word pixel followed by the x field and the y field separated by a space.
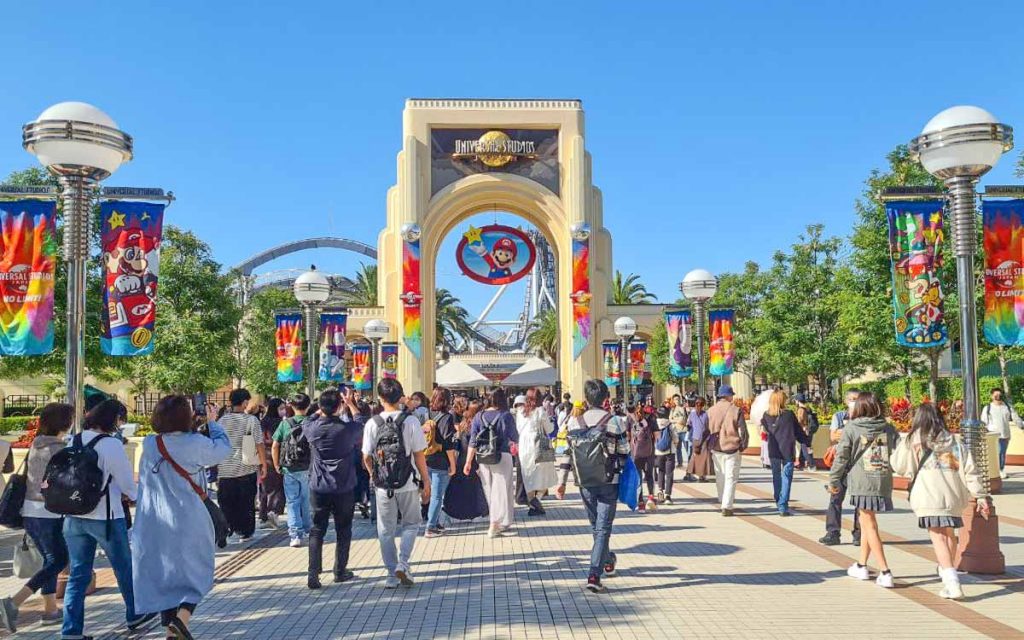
pixel 389 360
pixel 721 350
pixel 289 347
pixel 496 254
pixel 130 237
pixel 637 363
pixel 915 248
pixel 28 253
pixel 332 346
pixel 1003 222
pixel 610 354
pixel 679 327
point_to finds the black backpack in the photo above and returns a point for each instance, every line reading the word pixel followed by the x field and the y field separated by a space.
pixel 488 450
pixel 392 466
pixel 74 484
pixel 295 454
pixel 588 451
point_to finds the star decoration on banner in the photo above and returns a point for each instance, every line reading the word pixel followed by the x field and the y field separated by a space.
pixel 116 220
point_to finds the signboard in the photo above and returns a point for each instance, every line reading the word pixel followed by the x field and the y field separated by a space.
pixel 457 153
pixel 495 254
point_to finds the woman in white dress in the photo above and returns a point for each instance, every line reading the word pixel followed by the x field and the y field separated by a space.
pixel 536 453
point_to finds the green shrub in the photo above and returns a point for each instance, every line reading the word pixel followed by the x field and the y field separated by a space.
pixel 14 423
pixel 948 388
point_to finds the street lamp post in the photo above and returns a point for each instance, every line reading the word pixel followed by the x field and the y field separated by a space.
pixel 312 289
pixel 82 146
pixel 700 286
pixel 376 330
pixel 625 329
pixel 958 146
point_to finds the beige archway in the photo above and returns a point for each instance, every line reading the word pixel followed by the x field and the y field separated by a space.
pixel 554 208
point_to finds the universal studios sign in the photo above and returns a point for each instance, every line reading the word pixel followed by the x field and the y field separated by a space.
pixel 494 149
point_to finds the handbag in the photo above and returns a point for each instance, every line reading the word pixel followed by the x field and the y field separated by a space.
pixel 13 498
pixel 220 523
pixel 629 485
pixel 27 559
pixel 830 456
pixel 249 455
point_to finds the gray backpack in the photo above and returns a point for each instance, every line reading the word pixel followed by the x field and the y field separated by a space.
pixel 588 451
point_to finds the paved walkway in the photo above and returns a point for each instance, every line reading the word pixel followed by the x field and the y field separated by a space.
pixel 685 572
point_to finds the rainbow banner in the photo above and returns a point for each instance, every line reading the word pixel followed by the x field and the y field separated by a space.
pixel 332 346
pixel 721 349
pixel 130 234
pixel 412 296
pixel 637 363
pixel 389 360
pixel 28 255
pixel 1003 223
pixel 289 347
pixel 915 248
pixel 610 353
pixel 580 293
pixel 679 327
pixel 362 379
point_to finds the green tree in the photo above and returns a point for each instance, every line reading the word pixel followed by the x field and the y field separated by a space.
pixel 452 320
pixel 365 292
pixel 543 336
pixel 803 336
pixel 257 342
pixel 629 290
pixel 866 302
pixel 197 320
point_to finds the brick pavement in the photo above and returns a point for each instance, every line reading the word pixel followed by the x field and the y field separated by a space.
pixel 686 571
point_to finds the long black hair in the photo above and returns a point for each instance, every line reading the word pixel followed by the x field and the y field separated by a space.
pixel 928 422
pixel 104 416
pixel 497 399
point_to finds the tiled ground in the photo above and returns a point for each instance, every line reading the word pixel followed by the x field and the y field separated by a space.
pixel 686 572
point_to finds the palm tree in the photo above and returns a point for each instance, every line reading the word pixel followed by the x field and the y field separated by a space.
pixel 364 292
pixel 543 336
pixel 452 318
pixel 630 290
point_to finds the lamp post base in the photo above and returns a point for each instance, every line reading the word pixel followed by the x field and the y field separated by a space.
pixel 978 551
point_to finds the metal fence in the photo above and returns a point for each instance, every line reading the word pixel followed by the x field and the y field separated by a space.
pixel 25 404
pixel 146 402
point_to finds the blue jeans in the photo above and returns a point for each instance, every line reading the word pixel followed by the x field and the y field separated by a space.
pixel 1004 444
pixel 684 451
pixel 782 480
pixel 296 495
pixel 48 536
pixel 438 484
pixel 82 536
pixel 600 503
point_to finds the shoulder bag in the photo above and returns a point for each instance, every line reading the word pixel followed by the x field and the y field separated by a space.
pixel 13 498
pixel 220 523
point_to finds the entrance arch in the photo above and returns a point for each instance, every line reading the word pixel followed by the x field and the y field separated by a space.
pixel 548 184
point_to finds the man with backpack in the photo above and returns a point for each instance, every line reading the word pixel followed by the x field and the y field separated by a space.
pixel 291 456
pixel 599 448
pixel 834 513
pixel 728 439
pixel 393 446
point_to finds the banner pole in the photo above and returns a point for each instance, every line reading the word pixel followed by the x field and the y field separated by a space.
pixel 312 331
pixel 77 198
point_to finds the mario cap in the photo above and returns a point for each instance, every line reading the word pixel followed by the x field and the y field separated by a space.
pixel 505 244
pixel 130 237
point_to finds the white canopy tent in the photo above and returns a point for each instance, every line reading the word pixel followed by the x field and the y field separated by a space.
pixel 534 373
pixel 458 374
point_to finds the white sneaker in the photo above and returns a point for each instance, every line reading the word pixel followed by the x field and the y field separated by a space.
pixel 885 580
pixel 1002 474
pixel 951 588
pixel 391 582
pixel 860 573
pixel 295 543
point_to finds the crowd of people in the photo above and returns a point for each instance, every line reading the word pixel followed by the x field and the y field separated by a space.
pixel 413 462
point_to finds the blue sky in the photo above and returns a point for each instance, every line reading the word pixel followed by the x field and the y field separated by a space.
pixel 717 131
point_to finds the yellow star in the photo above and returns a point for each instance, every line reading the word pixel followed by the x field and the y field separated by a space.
pixel 473 235
pixel 116 220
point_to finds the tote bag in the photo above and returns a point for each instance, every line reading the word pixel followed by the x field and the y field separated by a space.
pixel 13 498
pixel 249 455
pixel 27 559
pixel 629 485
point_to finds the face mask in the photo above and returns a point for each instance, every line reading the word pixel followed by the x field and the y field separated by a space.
pixel 849 406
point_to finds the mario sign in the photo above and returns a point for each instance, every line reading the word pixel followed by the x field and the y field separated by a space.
pixel 131 235
pixel 496 254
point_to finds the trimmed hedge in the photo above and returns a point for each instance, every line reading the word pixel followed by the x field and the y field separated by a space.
pixel 949 389
pixel 14 423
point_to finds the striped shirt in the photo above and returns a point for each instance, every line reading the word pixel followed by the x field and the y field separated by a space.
pixel 237 425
